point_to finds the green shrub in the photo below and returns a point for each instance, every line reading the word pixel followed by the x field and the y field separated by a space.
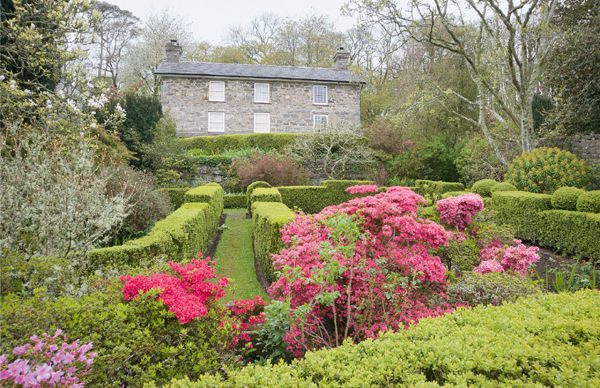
pixel 312 199
pixel 477 160
pixel 449 194
pixel 459 256
pixel 565 198
pixel 549 340
pixel 278 170
pixel 250 189
pixel 520 209
pixel 176 195
pixel 484 187
pixel 436 188
pixel 589 201
pixel 234 201
pixel 543 170
pixel 211 193
pixel 218 144
pixel 570 232
pixel 265 194
pixel 267 220
pixel 137 341
pixel 503 186
pixel 492 288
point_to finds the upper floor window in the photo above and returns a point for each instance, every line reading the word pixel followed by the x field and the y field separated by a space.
pixel 320 122
pixel 216 91
pixel 216 121
pixel 261 92
pixel 262 122
pixel 320 95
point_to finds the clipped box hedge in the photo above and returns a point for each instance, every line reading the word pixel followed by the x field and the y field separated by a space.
pixel 520 209
pixel 176 195
pixel 429 187
pixel 234 201
pixel 313 199
pixel 267 220
pixel 570 232
pixel 180 235
pixel 265 194
pixel 220 143
pixel 551 340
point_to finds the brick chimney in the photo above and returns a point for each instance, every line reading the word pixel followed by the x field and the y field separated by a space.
pixel 341 59
pixel 173 50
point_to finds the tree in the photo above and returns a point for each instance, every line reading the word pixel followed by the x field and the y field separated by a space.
pixel 256 40
pixel 149 50
pixel 114 28
pixel 505 47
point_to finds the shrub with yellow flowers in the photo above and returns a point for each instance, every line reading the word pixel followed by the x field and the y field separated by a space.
pixel 543 170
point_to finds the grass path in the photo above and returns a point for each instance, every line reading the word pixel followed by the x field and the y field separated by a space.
pixel 235 259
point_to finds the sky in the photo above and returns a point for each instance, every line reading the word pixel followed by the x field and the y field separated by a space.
pixel 210 19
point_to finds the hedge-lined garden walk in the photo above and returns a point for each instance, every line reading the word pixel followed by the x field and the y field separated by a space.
pixel 235 259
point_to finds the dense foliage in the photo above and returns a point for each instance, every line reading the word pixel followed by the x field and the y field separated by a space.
pixel 544 170
pixel 276 170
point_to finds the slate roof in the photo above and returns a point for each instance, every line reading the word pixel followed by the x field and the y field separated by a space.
pixel 236 70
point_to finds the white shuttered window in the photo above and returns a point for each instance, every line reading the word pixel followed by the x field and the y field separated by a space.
pixel 262 122
pixel 216 121
pixel 261 92
pixel 216 91
pixel 320 95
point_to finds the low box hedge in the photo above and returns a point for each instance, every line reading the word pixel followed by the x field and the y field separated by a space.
pixel 520 209
pixel 313 199
pixel 551 340
pixel 267 220
pixel 180 235
pixel 570 232
pixel 265 194
pixel 250 189
pixel 429 187
pixel 176 195
pixel 220 143
pixel 234 201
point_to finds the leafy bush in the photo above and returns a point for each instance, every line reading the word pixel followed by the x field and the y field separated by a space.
pixel 543 170
pixel 589 201
pixel 460 255
pixel 338 152
pixel 250 189
pixel 432 159
pixel 269 343
pixel 384 135
pixel 494 288
pixel 357 254
pixel 565 198
pixel 456 212
pixel 483 187
pixel 502 186
pixel 276 170
pixel 484 346
pixel 53 196
pixel 146 205
pixel 477 160
pixel 176 195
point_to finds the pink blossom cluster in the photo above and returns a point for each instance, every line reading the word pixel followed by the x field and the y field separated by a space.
pixel 515 258
pixel 380 279
pixel 245 315
pixel 49 361
pixel 456 212
pixel 188 295
pixel 362 189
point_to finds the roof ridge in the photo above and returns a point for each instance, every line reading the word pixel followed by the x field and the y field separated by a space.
pixel 258 64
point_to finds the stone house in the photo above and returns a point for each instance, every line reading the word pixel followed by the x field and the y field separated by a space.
pixel 225 98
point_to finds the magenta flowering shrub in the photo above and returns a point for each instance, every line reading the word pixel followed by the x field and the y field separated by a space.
pixel 362 189
pixel 359 268
pixel 49 361
pixel 457 212
pixel 188 295
pixel 244 316
pixel 515 259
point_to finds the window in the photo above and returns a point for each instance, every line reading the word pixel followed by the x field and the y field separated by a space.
pixel 216 91
pixel 261 92
pixel 320 95
pixel 216 121
pixel 262 122
pixel 320 121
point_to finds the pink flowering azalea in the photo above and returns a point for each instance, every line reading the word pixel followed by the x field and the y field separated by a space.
pixel 457 212
pixel 515 258
pixel 359 268
pixel 488 266
pixel 46 364
pixel 361 189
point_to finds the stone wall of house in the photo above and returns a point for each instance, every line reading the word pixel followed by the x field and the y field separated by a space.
pixel 291 104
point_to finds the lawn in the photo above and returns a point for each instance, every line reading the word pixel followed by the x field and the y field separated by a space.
pixel 235 258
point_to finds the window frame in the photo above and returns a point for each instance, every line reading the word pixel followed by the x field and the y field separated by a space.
pixel 211 91
pixel 257 84
pixel 268 130
pixel 315 95
pixel 315 120
pixel 208 129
